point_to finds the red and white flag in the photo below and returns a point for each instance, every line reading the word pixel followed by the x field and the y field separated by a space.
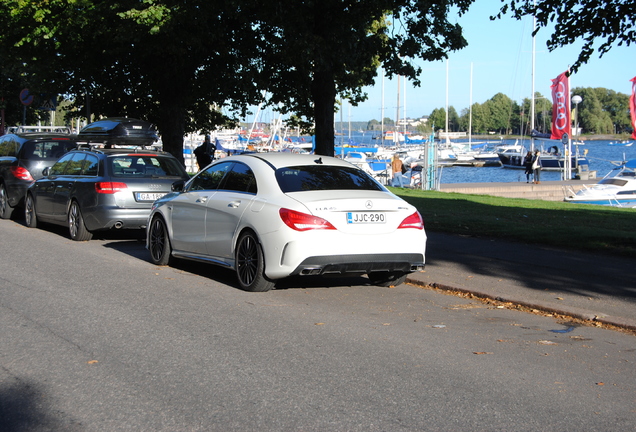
pixel 632 107
pixel 560 107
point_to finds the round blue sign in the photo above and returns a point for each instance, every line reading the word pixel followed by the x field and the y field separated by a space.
pixel 25 97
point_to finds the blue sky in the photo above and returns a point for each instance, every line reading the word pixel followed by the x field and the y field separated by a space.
pixel 501 55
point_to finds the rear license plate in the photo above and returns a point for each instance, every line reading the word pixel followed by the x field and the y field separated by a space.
pixel 148 196
pixel 365 218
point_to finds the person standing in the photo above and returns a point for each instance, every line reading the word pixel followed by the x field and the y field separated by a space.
pixel 205 153
pixel 396 170
pixel 536 166
pixel 527 162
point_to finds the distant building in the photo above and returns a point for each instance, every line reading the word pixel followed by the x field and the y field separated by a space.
pixel 409 122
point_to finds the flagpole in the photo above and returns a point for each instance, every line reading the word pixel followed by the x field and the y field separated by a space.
pixel 568 159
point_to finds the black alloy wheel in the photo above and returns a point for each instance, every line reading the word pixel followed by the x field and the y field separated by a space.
pixel 159 243
pixel 30 217
pixel 76 226
pixel 250 264
pixel 5 209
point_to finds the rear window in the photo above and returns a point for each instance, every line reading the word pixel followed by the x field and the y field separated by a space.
pixel 324 177
pixel 141 166
pixel 47 150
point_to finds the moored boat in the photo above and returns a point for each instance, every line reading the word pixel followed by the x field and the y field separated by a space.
pixel 616 191
pixel 551 160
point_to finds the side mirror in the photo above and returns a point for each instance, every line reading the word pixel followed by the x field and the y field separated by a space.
pixel 46 171
pixel 178 186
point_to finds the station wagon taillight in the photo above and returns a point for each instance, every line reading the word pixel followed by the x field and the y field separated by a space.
pixel 110 187
pixel 21 173
pixel 303 221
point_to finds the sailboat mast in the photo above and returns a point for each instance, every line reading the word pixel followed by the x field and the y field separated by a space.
pixel 470 108
pixel 382 112
pixel 397 114
pixel 404 111
pixel 446 130
pixel 532 114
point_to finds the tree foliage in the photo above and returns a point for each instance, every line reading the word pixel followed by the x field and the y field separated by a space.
pixel 321 49
pixel 171 62
pixel 600 24
pixel 192 64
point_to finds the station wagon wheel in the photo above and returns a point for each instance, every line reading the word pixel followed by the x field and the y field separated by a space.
pixel 387 279
pixel 250 264
pixel 159 242
pixel 30 217
pixel 5 209
pixel 76 226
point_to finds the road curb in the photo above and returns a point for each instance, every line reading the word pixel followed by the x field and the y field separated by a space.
pixel 573 312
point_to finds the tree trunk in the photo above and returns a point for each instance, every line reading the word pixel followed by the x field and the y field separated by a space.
pixel 324 95
pixel 171 126
pixel 171 116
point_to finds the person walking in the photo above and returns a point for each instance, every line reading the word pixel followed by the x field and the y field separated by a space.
pixel 396 170
pixel 527 162
pixel 536 166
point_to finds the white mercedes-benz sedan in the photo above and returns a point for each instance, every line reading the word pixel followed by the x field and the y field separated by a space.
pixel 269 216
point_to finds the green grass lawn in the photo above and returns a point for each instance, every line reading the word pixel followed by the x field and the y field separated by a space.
pixel 600 229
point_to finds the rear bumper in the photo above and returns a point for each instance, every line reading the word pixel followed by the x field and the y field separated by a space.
pixel 361 264
pixel 120 218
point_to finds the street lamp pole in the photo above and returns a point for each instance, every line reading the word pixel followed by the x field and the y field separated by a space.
pixel 577 100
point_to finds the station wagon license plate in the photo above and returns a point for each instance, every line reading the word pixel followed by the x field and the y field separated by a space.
pixel 148 196
pixel 365 218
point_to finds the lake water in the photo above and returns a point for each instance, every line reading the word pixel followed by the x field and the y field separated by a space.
pixel 599 153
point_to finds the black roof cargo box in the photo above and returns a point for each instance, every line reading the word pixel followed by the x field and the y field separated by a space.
pixel 120 131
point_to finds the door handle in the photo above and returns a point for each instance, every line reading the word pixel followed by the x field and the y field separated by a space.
pixel 202 199
pixel 234 204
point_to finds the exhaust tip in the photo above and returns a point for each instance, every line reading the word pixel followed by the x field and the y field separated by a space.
pixel 119 224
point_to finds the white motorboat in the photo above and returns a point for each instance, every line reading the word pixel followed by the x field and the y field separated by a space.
pixel 616 191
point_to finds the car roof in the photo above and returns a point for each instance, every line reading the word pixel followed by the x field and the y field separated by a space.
pixel 283 159
pixel 45 135
pixel 124 151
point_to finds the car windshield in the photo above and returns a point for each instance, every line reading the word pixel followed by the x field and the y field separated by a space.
pixel 141 166
pixel 324 177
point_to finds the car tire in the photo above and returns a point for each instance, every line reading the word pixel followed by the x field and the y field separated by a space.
pixel 76 226
pixel 250 264
pixel 159 242
pixel 6 211
pixel 30 217
pixel 387 279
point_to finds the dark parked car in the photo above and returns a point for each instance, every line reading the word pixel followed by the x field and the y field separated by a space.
pixel 23 156
pixel 99 189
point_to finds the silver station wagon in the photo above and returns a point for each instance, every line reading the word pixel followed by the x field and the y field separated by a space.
pixel 97 189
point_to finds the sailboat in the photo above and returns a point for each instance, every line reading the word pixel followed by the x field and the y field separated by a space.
pixel 552 157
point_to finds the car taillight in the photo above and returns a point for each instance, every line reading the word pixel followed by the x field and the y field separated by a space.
pixel 303 221
pixel 110 187
pixel 21 173
pixel 413 221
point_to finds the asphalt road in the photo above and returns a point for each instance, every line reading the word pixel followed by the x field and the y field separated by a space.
pixel 93 337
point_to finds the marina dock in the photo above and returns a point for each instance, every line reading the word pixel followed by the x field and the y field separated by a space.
pixel 547 191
